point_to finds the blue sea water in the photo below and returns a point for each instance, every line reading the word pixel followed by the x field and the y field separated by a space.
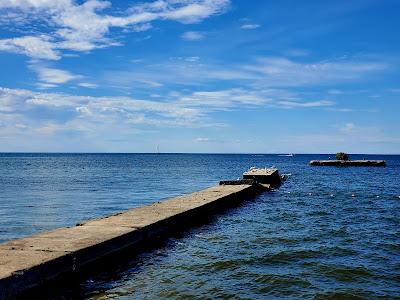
pixel 327 233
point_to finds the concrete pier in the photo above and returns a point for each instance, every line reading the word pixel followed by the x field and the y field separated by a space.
pixel 33 261
pixel 343 163
pixel 266 176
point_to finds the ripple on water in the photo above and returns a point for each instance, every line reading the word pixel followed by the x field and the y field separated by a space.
pixel 347 295
pixel 347 273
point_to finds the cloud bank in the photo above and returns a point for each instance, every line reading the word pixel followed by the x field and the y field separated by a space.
pixel 84 27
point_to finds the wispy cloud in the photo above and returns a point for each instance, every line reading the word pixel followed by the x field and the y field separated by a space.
pixel 348 127
pixel 202 139
pixel 335 92
pixel 84 27
pixel 250 26
pixel 224 99
pixel 192 58
pixel 38 47
pixel 370 141
pixel 191 109
pixel 54 76
pixel 295 104
pixel 349 137
pixel 193 36
pixel 85 111
pixel 280 71
pixel 88 85
pixel 262 72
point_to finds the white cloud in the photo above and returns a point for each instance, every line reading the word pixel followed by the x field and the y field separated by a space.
pixel 264 72
pixel 250 26
pixel 348 127
pixel 83 27
pixel 39 47
pixel 12 100
pixel 192 36
pixel 194 109
pixel 349 137
pixel 45 86
pixel 83 110
pixel 80 119
pixel 194 11
pixel 50 77
pixel 278 71
pixel 98 109
pixel 34 4
pixel 21 126
pixel 192 58
pixel 240 98
pixel 142 27
pixel 295 104
pixel 369 140
pixel 344 109
pixel 202 139
pixel 88 85
pixel 224 99
pixel 137 61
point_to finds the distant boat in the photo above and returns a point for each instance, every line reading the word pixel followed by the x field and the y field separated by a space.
pixel 287 155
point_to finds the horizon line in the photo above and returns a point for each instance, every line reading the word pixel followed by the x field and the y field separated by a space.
pixel 208 153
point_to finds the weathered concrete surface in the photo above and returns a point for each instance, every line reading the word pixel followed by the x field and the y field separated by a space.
pixel 32 261
pixel 269 176
pixel 361 163
pixel 237 182
pixel 28 262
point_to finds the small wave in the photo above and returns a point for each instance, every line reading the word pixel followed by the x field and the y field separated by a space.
pixel 346 273
pixel 339 232
pixel 290 256
pixel 338 295
pixel 284 177
pixel 224 264
pixel 320 213
pixel 282 286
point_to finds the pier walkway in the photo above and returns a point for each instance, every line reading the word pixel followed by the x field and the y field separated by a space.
pixel 30 262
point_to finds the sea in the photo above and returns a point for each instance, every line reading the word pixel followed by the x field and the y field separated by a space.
pixel 326 233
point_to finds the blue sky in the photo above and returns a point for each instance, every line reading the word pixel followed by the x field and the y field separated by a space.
pixel 239 76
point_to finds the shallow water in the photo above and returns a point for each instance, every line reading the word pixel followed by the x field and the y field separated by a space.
pixel 327 233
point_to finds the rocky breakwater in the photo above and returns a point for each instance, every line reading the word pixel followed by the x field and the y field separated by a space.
pixel 344 163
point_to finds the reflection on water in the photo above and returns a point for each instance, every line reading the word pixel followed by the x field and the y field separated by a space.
pixel 327 233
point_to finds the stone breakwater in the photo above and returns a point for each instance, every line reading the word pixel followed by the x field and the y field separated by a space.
pixel 340 163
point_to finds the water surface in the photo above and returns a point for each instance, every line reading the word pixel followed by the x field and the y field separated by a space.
pixel 328 232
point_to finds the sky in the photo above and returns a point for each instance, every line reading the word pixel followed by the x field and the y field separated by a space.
pixel 209 76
